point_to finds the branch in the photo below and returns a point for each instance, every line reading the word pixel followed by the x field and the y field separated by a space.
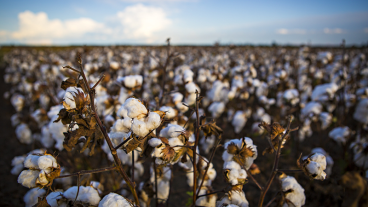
pixel 106 169
pixel 276 162
pixel 195 149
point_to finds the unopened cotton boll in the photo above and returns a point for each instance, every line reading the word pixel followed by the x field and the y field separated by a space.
pixel 31 197
pixel 114 200
pixel 24 134
pixel 87 195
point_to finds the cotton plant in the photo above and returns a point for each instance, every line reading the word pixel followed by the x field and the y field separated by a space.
pixel 42 170
pixel 17 161
pixel 31 197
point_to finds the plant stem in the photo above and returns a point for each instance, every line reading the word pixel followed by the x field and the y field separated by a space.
pixel 156 189
pixel 195 150
pixel 276 163
pixel 208 164
pixel 118 163
pixel 88 172
pixel 251 177
pixel 289 171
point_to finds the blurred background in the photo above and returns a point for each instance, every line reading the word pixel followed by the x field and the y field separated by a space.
pixel 198 22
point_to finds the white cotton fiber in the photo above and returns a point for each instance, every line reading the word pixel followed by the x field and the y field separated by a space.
pixel 154 142
pixel 31 161
pixel 86 195
pixel 114 200
pixel 134 107
pixel 24 134
pixel 28 178
pixel 31 197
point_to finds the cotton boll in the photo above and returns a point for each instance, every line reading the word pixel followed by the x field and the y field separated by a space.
pixel 326 119
pixel 208 143
pixel 46 162
pixel 170 112
pixel 340 134
pixel 361 111
pixel 69 102
pixel 239 121
pixel 140 128
pixel 154 142
pixel 31 161
pixel 114 200
pixel 175 142
pixel 216 109
pixel 311 109
pixel 172 130
pixel 42 179
pixel 329 160
pixel 17 163
pixel 122 125
pixel 17 101
pixel 122 112
pixel 209 201
pixel 56 129
pixel 153 120
pixel 114 65
pixel 24 134
pixel 28 178
pixel 53 197
pixel 234 197
pixel 293 192
pixel 31 197
pixel 54 111
pixel 134 107
pixel 177 97
pixel 188 76
pixel 15 119
pixel 86 195
pixel 324 92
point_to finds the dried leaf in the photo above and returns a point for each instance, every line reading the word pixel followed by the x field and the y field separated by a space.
pixel 211 129
pixel 70 82
pixel 168 153
pixel 42 202
pixel 132 145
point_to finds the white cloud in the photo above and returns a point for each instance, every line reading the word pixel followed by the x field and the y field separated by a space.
pixel 332 31
pixel 284 31
pixel 365 30
pixel 141 22
pixel 39 28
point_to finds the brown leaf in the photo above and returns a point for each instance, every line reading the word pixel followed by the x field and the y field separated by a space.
pixel 211 129
pixel 168 153
pixel 42 202
pixel 133 144
pixel 70 82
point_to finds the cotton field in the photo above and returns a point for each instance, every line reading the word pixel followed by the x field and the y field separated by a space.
pixel 187 126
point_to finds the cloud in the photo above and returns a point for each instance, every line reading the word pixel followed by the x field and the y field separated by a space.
pixel 332 31
pixel 141 22
pixel 39 28
pixel 284 31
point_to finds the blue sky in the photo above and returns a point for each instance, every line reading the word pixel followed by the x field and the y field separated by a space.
pixel 185 21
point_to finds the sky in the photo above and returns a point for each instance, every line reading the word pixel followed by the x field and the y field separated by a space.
pixel 111 22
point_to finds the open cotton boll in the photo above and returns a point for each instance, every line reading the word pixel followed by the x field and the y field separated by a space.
pixel 46 162
pixel 86 194
pixel 361 111
pixel 122 125
pixel 122 112
pixel 312 108
pixel 239 121
pixel 216 109
pixel 293 192
pixel 154 142
pixel 17 101
pixel 114 200
pixel 191 99
pixel 131 81
pixel 153 120
pixel 53 197
pixel 31 197
pixel 177 97
pixel 140 128
pixel 46 137
pixel 209 201
pixel 42 179
pixel 57 130
pixel 172 130
pixel 188 76
pixel 69 102
pixel 114 65
pixel 329 160
pixel 170 112
pixel 28 178
pixel 340 134
pixel 207 144
pixel 134 107
pixel 175 142
pixel 324 92
pixel 232 198
pixel 31 161
pixel 192 87
pixel 326 120
pixel 24 134
pixel 17 163
pixel 54 110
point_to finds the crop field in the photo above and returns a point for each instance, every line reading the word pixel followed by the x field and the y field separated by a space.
pixel 184 126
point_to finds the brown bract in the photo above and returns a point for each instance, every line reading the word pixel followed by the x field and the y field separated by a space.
pixel 276 131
